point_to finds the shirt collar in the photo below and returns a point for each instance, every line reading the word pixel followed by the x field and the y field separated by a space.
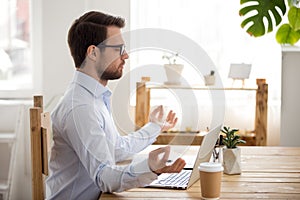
pixel 90 84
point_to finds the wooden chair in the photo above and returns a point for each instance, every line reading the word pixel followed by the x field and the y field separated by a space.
pixel 39 129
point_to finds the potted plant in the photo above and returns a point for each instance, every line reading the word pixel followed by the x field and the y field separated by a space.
pixel 231 153
pixel 173 70
pixel 210 78
pixel 288 33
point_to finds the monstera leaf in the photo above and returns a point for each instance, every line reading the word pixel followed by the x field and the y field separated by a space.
pixel 261 10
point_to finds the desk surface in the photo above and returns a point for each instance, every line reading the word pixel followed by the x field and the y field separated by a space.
pixel 267 172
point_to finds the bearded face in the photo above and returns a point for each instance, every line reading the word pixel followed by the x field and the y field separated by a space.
pixel 112 56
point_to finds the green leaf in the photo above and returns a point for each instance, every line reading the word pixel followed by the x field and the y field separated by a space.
pixel 236 138
pixel 263 9
pixel 226 143
pixel 226 129
pixel 294 18
pixel 238 142
pixel 235 130
pixel 231 139
pixel 286 35
pixel 243 141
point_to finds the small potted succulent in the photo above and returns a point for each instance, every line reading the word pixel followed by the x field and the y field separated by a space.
pixel 231 153
pixel 173 70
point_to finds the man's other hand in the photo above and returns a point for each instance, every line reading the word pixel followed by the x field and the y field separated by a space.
pixel 156 116
pixel 158 163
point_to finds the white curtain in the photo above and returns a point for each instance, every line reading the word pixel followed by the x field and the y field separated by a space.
pixel 215 26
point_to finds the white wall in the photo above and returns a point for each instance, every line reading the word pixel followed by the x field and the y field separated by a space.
pixel 290 97
pixel 57 17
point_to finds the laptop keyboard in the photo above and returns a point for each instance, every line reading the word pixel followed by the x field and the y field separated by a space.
pixel 181 178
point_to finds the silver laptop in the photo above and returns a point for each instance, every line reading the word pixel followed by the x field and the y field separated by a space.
pixel 189 175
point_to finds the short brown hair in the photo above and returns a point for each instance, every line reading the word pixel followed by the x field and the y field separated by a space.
pixel 90 29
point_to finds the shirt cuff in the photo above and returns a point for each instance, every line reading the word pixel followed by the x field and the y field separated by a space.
pixel 152 129
pixel 141 168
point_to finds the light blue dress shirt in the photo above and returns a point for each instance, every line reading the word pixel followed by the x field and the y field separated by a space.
pixel 87 145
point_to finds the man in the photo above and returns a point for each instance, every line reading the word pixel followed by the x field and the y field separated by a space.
pixel 87 144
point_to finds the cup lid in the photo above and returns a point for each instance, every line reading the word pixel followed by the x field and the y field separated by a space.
pixel 210 167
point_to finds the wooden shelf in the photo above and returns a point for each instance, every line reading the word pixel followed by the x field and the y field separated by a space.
pixel 261 109
pixel 150 85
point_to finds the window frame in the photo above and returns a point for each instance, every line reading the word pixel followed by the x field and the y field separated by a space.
pixel 35 13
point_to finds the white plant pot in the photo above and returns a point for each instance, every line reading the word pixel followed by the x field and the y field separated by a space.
pixel 232 160
pixel 173 73
pixel 209 80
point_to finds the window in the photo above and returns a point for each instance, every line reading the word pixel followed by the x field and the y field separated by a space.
pixel 15 45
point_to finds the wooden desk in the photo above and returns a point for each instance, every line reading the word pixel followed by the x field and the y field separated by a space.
pixel 267 172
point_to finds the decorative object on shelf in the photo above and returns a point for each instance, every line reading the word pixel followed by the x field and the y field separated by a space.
pixel 172 70
pixel 231 153
pixel 288 33
pixel 210 78
pixel 239 71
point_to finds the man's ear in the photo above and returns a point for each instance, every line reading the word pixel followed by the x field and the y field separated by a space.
pixel 91 52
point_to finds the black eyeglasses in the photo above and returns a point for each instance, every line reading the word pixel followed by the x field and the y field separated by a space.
pixel 120 46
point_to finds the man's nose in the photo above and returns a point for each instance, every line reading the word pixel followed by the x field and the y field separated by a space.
pixel 125 55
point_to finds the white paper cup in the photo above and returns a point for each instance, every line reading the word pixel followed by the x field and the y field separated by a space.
pixel 210 179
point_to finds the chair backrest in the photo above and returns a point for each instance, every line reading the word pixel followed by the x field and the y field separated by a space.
pixel 39 129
